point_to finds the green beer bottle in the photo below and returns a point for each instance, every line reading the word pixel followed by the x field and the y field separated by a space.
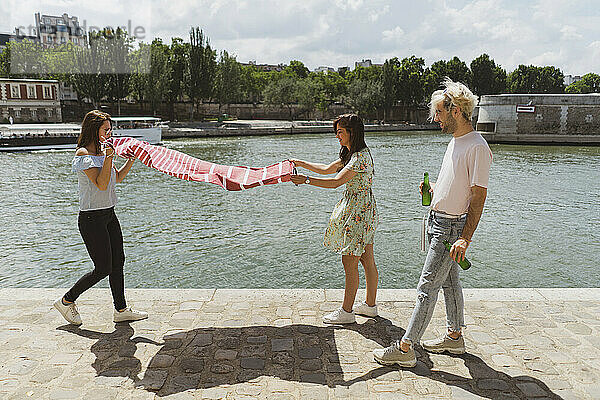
pixel 426 195
pixel 464 264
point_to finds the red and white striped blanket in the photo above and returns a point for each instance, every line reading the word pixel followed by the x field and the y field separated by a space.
pixel 183 166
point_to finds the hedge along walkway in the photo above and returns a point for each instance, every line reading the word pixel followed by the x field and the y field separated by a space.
pixel 271 344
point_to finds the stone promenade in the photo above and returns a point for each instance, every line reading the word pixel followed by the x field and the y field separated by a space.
pixel 271 344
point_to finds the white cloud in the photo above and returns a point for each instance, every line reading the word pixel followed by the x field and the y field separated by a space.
pixel 339 32
pixel 393 34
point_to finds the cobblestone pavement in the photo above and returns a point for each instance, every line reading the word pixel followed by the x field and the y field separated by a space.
pixel 271 344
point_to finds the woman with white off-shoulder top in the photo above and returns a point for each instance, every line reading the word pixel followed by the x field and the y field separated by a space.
pixel 97 221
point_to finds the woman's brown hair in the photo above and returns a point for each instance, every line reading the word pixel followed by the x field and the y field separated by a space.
pixel 90 129
pixel 353 123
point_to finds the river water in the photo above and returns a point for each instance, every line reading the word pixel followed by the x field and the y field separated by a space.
pixel 540 227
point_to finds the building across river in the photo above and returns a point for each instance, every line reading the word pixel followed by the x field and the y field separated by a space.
pixel 540 118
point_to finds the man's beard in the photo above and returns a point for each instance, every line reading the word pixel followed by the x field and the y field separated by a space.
pixel 450 125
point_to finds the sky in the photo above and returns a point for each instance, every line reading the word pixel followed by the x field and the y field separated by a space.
pixel 335 33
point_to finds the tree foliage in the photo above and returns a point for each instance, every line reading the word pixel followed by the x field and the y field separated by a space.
pixel 488 78
pixel 589 83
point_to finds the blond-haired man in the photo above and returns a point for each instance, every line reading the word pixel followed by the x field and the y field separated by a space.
pixel 458 198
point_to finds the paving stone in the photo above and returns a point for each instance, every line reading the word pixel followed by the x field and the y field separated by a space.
pixel 61 394
pixel 191 365
pixel 313 378
pixel 252 363
pixel 282 344
pixel 311 365
pixel 202 339
pixel 222 368
pixel 257 339
pixel 504 360
pixel 153 379
pixel 517 340
pixel 46 375
pixel 579 328
pixel 161 361
pixel 226 355
pixel 253 351
pixel 249 389
pixel 531 389
pixel 493 384
pixel 310 352
pixel 283 312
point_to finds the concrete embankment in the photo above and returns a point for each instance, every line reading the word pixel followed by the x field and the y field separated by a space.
pixel 271 344
pixel 281 128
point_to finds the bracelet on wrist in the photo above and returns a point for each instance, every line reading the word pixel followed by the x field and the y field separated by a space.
pixel 465 239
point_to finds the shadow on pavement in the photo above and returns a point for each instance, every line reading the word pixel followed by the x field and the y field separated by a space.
pixel 208 357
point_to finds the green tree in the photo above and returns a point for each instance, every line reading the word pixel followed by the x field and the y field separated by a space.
pixel 228 80
pixel 488 78
pixel 178 63
pixel 253 83
pixel 139 77
pixel 364 96
pixel 90 64
pixel 5 62
pixel 411 80
pixel 390 81
pixel 589 83
pixel 308 93
pixel 532 79
pixel 117 46
pixel 158 78
pixel 297 69
pixel 454 69
pixel 331 86
pixel 372 73
pixel 202 68
pixel 282 92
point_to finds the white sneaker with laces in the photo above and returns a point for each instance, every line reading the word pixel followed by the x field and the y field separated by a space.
pixel 339 316
pixel 129 315
pixel 366 310
pixel 69 312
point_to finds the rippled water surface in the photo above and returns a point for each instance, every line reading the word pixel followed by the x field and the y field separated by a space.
pixel 540 228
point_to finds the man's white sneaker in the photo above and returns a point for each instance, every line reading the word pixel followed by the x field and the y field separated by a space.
pixel 366 310
pixel 339 316
pixel 393 355
pixel 129 315
pixel 69 312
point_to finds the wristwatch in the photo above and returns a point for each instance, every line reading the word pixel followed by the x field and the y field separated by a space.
pixel 307 180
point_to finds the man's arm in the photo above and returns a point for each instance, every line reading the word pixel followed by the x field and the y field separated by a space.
pixel 478 195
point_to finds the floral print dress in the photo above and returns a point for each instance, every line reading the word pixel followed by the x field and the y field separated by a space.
pixel 354 219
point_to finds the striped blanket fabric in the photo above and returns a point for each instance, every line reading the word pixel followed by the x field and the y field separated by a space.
pixel 183 166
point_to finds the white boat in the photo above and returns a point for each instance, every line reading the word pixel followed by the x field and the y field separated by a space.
pixel 147 129
pixel 31 137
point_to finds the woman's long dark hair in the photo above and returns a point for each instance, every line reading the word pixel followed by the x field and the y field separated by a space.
pixel 90 129
pixel 355 126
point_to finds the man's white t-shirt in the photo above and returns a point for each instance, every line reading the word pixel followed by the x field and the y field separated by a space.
pixel 466 163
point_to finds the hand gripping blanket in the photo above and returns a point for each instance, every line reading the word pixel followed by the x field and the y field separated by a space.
pixel 183 166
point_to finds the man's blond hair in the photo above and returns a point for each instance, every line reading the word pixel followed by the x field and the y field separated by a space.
pixel 454 94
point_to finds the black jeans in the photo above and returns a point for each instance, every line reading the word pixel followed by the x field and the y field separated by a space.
pixel 101 233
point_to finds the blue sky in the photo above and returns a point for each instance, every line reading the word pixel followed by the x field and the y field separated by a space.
pixel 336 33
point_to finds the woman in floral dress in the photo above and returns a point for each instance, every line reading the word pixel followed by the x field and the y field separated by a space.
pixel 352 224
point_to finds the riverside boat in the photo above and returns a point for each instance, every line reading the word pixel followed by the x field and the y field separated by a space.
pixel 33 137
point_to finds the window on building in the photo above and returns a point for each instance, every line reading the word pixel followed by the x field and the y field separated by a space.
pixel 15 92
pixel 63 40
pixel 17 113
pixel 33 113
pixel 47 93
pixel 49 113
pixel 31 91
